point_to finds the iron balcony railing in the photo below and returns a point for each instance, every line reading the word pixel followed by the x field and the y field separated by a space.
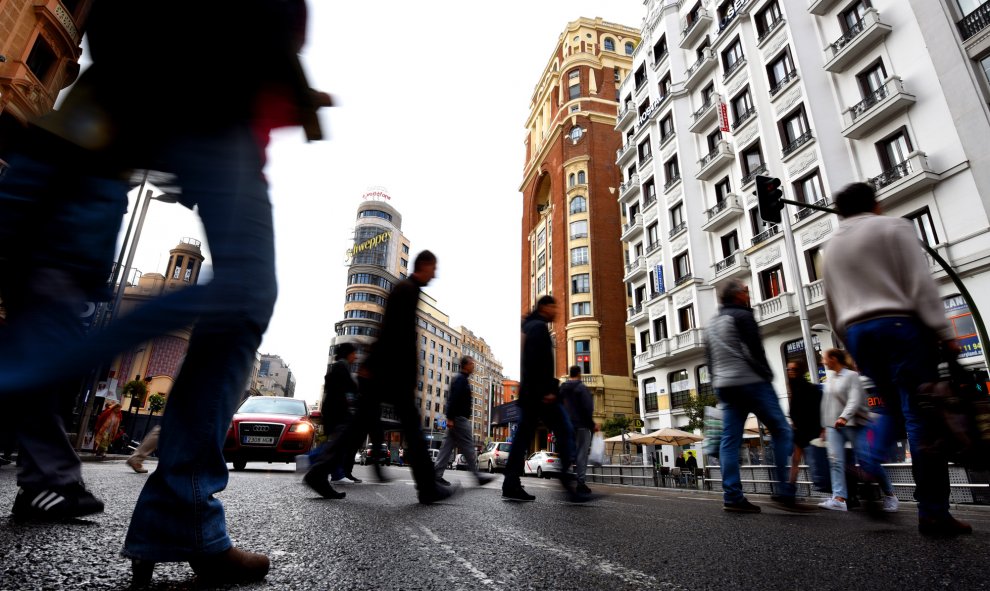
pixel 726 263
pixel 783 82
pixel 799 141
pixel 707 158
pixel 863 106
pixel 770 29
pixel 743 117
pixel 651 247
pixel 974 22
pixel 683 279
pixel 752 175
pixel 854 30
pixel 678 229
pixel 719 208
pixel 704 108
pixel 889 176
pixel 672 181
pixel 733 68
pixel 807 211
pixel 766 234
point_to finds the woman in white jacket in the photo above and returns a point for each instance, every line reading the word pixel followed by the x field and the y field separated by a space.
pixel 845 417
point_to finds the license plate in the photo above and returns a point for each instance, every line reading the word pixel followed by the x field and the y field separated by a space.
pixel 261 440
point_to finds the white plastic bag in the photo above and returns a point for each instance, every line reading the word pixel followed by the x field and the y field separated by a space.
pixel 597 454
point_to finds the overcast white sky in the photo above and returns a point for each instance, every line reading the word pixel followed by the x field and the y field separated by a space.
pixel 432 99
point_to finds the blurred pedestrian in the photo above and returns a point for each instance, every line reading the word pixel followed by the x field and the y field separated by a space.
pixel 107 424
pixel 580 408
pixel 805 402
pixel 741 376
pixel 212 141
pixel 845 419
pixel 148 446
pixel 459 415
pixel 882 302
pixel 538 399
pixel 692 462
pixel 339 389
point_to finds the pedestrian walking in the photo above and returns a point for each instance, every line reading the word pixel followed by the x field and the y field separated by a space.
pixel 805 402
pixel 148 446
pixel 107 424
pixel 538 399
pixel 580 408
pixel 741 376
pixel 845 419
pixel 338 410
pixel 459 415
pixel 212 141
pixel 882 302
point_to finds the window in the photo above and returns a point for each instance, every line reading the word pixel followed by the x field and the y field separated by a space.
pixel 968 6
pixel 541 238
pixel 581 309
pixel 650 395
pixel 693 16
pixel 541 283
pixel 541 259
pixel 666 128
pixel 178 267
pixel 872 79
pixel 850 17
pixel 404 263
pixel 713 139
pixel 682 267
pixel 579 205
pixel 574 84
pixel 767 19
pixel 375 213
pixel 676 217
pixel 609 44
pixel 579 256
pixel 704 381
pixel 659 328
pixel 793 128
pixel 772 282
pixel 405 249
pixel 644 151
pixel 649 191
pixel 732 57
pixel 582 355
pixel 581 283
pixel 638 249
pixel 730 244
pixel 660 49
pixel 756 223
pixel 639 295
pixel 722 189
pixel 894 149
pixel 685 318
pixel 571 180
pixel 779 71
pixel 671 171
pixel 369 279
pixel 363 296
pixel 985 66
pixel 579 229
pixel 633 212
pixel 922 220
pixel 665 86
pixel 813 258
pixel 41 60
pixel 680 388
pixel 653 234
pixel 640 76
pixel 810 189
pixel 644 341
pixel 629 48
pixel 752 159
pixel 742 108
pixel 582 178
pixel 708 94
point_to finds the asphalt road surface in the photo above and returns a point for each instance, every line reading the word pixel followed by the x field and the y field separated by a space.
pixel 380 538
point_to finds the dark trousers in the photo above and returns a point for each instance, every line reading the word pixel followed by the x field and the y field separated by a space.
pixel 345 438
pixel 552 415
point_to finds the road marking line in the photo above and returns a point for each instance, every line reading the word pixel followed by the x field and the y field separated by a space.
pixel 474 571
pixel 697 499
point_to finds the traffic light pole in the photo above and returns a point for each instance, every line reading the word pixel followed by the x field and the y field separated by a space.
pixel 981 329
pixel 809 349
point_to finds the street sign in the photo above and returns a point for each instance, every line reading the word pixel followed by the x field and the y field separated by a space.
pixel 636 423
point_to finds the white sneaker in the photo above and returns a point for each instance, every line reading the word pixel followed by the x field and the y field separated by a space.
pixel 833 504
pixel 344 480
pixel 890 504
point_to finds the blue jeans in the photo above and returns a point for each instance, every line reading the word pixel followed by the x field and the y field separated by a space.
pixel 859 437
pixel 761 400
pixel 899 354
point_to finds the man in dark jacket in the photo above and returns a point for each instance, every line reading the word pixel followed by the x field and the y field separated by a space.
pixel 580 410
pixel 538 399
pixel 338 409
pixel 741 376
pixel 459 415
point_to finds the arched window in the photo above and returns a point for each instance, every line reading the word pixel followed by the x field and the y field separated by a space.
pixel 629 48
pixel 582 179
pixel 570 180
pixel 579 204
pixel 609 44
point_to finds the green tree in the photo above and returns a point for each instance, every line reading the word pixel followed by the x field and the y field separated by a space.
pixel 614 426
pixel 156 402
pixel 695 410
pixel 137 390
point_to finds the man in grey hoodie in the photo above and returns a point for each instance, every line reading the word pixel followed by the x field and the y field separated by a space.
pixel 741 376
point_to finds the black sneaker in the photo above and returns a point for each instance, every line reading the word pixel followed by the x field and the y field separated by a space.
pixel 743 506
pixel 439 493
pixel 322 487
pixel 583 489
pixel 354 479
pixel 484 479
pixel 443 481
pixel 517 493
pixel 57 503
pixel 791 505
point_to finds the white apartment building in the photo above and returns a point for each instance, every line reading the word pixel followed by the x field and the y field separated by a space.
pixel 818 93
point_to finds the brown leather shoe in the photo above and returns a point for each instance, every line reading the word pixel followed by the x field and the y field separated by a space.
pixel 233 566
pixel 947 526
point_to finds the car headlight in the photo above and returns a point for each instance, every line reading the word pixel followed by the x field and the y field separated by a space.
pixel 301 428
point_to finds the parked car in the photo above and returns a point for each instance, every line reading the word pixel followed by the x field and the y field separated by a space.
pixel 384 457
pixel 543 463
pixel 495 456
pixel 458 463
pixel 268 429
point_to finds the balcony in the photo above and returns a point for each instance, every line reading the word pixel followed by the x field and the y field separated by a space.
pixel 631 229
pixel 880 106
pixel 695 29
pixel 974 22
pixel 723 214
pixel 658 352
pixel 814 294
pixel 652 247
pixel 659 60
pixel 805 139
pixel 705 64
pixel 820 7
pixel 635 269
pixel 680 227
pixel 705 116
pixel 783 84
pixel 683 280
pixel 644 160
pixel 622 155
pixel 862 36
pixel 743 118
pixel 806 212
pixel 712 163
pixel 737 66
pixel 766 234
pixel 751 177
pixel 649 201
pixel 769 31
pixel 775 309
pixel 630 187
pixel 671 183
pixel 904 179
pixel 733 265
pixel 627 112
pixel 686 342
pixel 635 313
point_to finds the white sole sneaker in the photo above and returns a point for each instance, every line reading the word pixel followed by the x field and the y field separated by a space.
pixel 833 505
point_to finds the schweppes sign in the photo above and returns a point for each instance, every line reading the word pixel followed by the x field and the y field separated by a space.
pixel 369 243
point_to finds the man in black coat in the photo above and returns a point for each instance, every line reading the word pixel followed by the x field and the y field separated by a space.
pixel 339 399
pixel 459 416
pixel 538 400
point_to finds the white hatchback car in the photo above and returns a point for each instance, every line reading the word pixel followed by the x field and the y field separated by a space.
pixel 542 464
pixel 495 456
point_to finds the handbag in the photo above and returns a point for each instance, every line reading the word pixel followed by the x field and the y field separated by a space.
pixel 956 412
pixel 713 431
pixel 597 454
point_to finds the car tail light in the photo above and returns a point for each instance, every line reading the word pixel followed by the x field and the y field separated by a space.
pixel 496 453
pixel 549 460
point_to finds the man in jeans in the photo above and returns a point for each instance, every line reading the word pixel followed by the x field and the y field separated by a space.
pixel 741 376
pixel 883 303
pixel 459 430
pixel 580 409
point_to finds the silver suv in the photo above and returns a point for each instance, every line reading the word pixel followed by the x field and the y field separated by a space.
pixel 495 456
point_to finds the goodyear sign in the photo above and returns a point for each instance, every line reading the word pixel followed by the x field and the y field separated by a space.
pixel 369 243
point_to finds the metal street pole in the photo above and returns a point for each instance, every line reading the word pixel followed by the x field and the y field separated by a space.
pixel 809 349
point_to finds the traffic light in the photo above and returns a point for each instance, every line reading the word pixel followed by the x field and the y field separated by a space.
pixel 769 196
